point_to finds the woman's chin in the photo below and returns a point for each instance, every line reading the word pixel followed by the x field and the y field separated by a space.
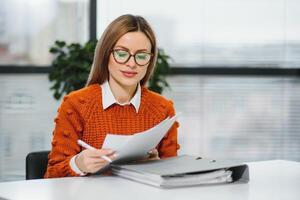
pixel 129 82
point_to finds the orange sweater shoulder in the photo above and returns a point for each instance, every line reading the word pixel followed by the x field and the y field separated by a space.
pixel 158 101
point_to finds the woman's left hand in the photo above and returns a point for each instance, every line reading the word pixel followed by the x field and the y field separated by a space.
pixel 153 155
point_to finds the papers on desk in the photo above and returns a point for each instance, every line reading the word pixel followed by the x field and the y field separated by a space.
pixel 183 171
pixel 214 177
pixel 134 147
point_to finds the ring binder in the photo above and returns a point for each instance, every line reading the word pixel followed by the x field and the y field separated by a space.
pixel 189 171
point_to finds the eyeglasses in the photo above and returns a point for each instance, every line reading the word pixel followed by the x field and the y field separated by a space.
pixel 122 56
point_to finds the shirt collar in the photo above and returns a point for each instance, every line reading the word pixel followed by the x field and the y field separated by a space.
pixel 108 98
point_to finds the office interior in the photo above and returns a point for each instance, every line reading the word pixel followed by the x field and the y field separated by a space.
pixel 234 79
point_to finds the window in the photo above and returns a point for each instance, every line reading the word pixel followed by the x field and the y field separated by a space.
pixel 28 28
pixel 240 118
pixel 215 33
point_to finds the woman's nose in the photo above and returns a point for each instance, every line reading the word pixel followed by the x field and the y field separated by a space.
pixel 131 62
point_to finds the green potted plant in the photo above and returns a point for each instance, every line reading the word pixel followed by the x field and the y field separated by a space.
pixel 72 63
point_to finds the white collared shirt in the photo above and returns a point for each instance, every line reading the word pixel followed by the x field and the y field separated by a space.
pixel 108 99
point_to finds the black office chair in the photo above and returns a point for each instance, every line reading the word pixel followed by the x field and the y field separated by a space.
pixel 36 164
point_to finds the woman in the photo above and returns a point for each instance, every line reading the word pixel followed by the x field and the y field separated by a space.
pixel 115 100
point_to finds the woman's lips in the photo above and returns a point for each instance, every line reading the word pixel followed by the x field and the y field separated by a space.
pixel 129 74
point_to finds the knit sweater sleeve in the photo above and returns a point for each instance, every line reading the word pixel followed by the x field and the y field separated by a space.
pixel 168 146
pixel 68 128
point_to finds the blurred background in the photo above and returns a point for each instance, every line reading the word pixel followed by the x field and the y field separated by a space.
pixel 235 72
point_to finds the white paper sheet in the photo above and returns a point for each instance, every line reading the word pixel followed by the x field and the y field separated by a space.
pixel 131 147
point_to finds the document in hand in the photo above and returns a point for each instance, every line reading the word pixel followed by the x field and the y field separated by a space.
pixel 183 171
pixel 134 147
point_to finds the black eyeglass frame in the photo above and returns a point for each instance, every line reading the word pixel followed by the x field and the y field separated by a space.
pixel 132 55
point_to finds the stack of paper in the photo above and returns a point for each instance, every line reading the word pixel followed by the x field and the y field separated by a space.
pixel 214 177
pixel 182 171
pixel 137 146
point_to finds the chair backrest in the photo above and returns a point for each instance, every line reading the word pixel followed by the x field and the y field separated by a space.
pixel 36 164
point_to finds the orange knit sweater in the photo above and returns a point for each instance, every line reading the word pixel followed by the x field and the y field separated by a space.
pixel 81 116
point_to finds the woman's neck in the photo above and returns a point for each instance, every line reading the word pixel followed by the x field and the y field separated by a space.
pixel 123 94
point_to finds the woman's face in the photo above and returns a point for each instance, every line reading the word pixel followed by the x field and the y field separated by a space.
pixel 129 74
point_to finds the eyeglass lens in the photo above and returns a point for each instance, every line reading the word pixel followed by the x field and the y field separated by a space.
pixel 122 56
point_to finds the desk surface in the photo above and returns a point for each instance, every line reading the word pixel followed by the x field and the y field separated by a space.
pixel 276 180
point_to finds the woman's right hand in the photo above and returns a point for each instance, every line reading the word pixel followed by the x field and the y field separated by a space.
pixel 90 161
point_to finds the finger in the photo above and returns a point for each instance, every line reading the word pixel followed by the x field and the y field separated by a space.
pixel 100 160
pixel 151 150
pixel 100 152
pixel 92 165
pixel 97 167
pixel 91 161
pixel 153 153
pixel 97 160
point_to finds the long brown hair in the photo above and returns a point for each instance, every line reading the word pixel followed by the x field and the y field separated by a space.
pixel 115 30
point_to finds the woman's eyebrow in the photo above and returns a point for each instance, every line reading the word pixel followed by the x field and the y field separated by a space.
pixel 119 46
pixel 122 47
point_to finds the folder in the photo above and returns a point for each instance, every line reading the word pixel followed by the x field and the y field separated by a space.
pixel 183 171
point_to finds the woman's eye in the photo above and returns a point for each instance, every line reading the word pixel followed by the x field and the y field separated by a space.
pixel 122 54
pixel 142 56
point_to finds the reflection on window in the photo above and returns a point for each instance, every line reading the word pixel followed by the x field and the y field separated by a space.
pixel 28 28
pixel 231 33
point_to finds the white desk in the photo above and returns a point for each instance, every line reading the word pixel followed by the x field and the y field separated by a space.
pixel 275 180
